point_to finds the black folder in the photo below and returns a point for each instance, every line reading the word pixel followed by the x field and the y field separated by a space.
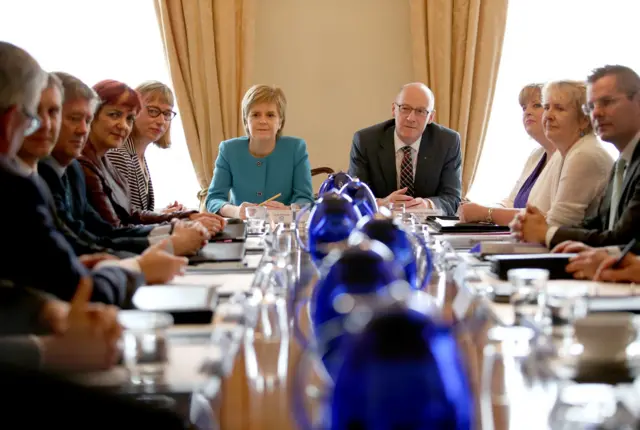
pixel 453 225
pixel 554 263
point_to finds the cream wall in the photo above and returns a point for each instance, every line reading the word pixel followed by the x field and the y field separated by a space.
pixel 340 63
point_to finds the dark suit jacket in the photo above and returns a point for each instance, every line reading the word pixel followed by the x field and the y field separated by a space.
pixel 438 174
pixel 49 401
pixel 81 218
pixel 595 231
pixel 36 255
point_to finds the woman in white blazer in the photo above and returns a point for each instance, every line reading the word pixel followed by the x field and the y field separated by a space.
pixel 571 186
pixel 530 99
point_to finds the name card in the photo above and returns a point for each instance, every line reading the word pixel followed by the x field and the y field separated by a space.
pixel 278 216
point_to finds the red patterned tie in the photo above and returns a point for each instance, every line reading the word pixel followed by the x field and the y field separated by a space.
pixel 406 171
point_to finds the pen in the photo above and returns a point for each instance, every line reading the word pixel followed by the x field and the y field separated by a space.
pixel 625 251
pixel 270 199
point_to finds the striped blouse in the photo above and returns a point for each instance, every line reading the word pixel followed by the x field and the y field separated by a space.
pixel 125 160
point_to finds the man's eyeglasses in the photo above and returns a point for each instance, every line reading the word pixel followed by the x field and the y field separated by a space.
pixel 154 112
pixel 406 110
pixel 34 122
pixel 603 103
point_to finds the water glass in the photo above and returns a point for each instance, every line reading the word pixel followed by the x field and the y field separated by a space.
pixel 504 384
pixel 565 304
pixel 266 344
pixel 397 209
pixel 408 220
pixel 529 295
pixel 256 218
pixel 275 275
pixel 145 349
pixel 283 240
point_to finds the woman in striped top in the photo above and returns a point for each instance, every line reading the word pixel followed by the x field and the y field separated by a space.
pixel 107 188
pixel 152 125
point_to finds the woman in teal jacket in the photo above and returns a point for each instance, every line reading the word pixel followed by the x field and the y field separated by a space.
pixel 250 170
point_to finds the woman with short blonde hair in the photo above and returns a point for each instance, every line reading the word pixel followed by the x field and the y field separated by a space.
pixel 530 100
pixel 250 170
pixel 152 125
pixel 570 189
pixel 264 94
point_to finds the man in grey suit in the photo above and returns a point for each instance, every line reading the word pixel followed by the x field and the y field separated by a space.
pixel 410 158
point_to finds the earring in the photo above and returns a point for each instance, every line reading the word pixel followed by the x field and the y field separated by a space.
pixel 582 133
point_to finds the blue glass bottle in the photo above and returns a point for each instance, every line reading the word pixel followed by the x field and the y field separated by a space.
pixel 362 197
pixel 347 277
pixel 404 371
pixel 335 181
pixel 401 242
pixel 331 221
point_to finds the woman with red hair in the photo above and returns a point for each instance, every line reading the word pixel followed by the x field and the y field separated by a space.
pixel 107 189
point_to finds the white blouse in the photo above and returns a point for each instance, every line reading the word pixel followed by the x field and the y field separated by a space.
pixel 570 187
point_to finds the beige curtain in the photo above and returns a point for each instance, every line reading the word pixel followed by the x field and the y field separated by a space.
pixel 209 46
pixel 456 51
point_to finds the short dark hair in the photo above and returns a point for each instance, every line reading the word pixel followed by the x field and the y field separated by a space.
pixel 627 81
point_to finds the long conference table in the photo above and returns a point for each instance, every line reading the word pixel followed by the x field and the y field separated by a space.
pixel 223 370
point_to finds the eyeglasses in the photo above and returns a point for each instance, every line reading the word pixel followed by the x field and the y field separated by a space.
pixel 604 103
pixel 34 122
pixel 406 110
pixel 154 112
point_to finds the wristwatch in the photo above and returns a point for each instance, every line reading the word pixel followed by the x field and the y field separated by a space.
pixel 489 217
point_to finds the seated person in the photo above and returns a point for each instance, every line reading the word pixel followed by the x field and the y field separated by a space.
pixel 107 190
pixel 33 232
pixel 42 332
pixel 531 104
pixel 410 158
pixel 252 169
pixel 613 104
pixel 77 337
pixel 152 125
pixel 65 179
pixel 573 183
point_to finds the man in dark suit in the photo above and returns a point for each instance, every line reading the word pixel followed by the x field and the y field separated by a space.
pixel 410 158
pixel 613 103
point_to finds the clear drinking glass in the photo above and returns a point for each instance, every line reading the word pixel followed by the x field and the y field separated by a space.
pixel 397 209
pixel 256 219
pixel 266 344
pixel 408 220
pixel 565 304
pixel 145 349
pixel 503 381
pixel 529 295
pixel 283 240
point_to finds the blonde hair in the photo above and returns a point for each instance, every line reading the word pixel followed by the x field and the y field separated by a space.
pixel 577 92
pixel 151 89
pixel 529 92
pixel 264 94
